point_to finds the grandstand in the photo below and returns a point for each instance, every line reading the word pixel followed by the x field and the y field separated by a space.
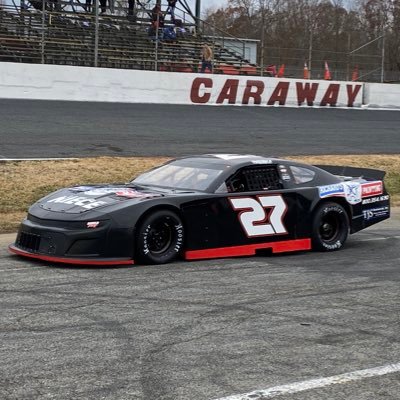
pixel 69 33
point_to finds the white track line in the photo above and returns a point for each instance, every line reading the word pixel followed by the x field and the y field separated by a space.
pixel 378 238
pixel 315 383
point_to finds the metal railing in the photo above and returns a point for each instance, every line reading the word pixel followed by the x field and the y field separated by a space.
pixel 66 33
pixel 230 42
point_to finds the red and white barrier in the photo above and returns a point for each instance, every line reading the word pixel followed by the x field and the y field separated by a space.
pixel 50 82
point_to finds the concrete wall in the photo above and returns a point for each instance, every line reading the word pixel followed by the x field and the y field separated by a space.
pixel 49 82
pixel 382 95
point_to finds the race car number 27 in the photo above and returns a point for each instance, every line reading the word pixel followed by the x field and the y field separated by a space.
pixel 261 216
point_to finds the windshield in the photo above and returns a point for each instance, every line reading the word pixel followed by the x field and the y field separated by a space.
pixel 177 176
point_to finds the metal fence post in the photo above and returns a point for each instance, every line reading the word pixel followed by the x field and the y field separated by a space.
pixel 383 59
pixel 96 34
pixel 310 49
pixel 156 54
pixel 262 47
pixel 213 48
pixel 43 25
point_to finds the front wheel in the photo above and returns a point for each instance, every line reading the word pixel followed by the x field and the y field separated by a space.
pixel 160 238
pixel 330 227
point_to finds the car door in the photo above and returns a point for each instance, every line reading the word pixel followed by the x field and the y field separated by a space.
pixel 252 206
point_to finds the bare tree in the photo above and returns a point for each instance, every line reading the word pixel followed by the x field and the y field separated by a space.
pixel 294 31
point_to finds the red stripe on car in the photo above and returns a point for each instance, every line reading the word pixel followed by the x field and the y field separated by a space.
pixel 249 249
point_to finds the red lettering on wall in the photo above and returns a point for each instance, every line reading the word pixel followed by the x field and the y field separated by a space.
pixel 229 91
pixel 306 92
pixel 331 95
pixel 352 92
pixel 279 94
pixel 197 84
pixel 249 94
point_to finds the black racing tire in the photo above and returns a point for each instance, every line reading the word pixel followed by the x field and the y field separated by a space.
pixel 160 238
pixel 330 227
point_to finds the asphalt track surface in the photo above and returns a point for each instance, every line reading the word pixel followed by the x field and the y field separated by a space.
pixel 205 329
pixel 69 129
pixel 201 330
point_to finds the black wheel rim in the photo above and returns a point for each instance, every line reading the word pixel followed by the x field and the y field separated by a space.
pixel 160 237
pixel 329 228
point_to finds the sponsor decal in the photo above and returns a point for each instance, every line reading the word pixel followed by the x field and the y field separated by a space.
pixel 100 191
pixel 352 192
pixel 92 224
pixel 282 168
pixel 377 212
pixel 336 189
pixel 80 188
pixel 118 191
pixel 93 191
pixel 79 201
pixel 284 172
pixel 372 189
pixel 134 194
pixel 178 239
pixel 372 200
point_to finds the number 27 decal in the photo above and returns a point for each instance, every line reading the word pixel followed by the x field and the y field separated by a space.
pixel 261 216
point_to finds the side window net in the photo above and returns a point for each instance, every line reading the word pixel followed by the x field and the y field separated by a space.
pixel 255 180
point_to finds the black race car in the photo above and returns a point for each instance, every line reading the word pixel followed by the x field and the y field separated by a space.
pixel 208 206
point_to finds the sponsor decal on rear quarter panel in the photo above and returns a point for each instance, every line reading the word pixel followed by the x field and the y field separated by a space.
pixel 372 189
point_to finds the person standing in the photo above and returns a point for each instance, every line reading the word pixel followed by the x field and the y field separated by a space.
pixel 157 17
pixel 206 58
pixel 171 9
pixel 131 9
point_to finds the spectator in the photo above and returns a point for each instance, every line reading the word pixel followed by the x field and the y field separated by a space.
pixel 88 6
pixel 157 17
pixel 169 34
pixel 171 9
pixel 180 32
pixel 206 58
pixel 131 9
pixel 103 6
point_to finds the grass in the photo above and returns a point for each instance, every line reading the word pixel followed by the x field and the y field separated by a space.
pixel 24 182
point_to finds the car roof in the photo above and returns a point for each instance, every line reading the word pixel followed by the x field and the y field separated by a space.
pixel 237 161
pixel 232 159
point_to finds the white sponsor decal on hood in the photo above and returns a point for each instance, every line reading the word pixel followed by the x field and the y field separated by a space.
pixel 79 201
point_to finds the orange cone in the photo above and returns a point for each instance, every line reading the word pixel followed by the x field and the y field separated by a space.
pixel 306 72
pixel 354 75
pixel 327 74
pixel 281 71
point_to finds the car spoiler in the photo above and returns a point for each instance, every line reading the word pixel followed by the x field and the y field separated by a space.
pixel 354 172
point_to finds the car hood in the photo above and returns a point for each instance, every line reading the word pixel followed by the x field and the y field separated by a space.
pixel 80 199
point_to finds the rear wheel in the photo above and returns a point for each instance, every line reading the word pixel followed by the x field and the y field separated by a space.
pixel 160 238
pixel 330 227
